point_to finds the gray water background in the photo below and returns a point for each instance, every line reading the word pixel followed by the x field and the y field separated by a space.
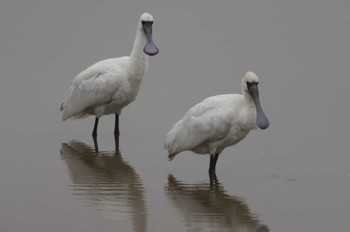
pixel 294 176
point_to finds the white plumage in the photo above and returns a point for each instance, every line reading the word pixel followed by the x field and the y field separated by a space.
pixel 218 122
pixel 109 85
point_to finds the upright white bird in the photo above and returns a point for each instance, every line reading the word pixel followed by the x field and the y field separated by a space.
pixel 109 85
pixel 218 122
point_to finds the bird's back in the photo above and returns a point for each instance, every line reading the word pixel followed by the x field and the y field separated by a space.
pixel 115 65
pixel 94 86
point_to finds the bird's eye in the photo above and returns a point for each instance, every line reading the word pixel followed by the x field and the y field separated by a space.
pixel 146 22
pixel 252 83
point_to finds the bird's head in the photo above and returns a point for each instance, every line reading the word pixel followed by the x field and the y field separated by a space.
pixel 145 24
pixel 250 85
pixel 250 78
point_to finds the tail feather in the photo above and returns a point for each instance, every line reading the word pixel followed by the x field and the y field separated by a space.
pixel 171 156
pixel 171 140
pixel 176 140
pixel 70 110
pixel 70 107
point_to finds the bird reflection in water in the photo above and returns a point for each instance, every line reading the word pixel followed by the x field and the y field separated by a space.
pixel 116 142
pixel 106 183
pixel 207 207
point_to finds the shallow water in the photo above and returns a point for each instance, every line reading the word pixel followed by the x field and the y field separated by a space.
pixel 291 177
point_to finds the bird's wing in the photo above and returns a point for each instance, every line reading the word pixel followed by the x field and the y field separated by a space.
pixel 92 87
pixel 205 122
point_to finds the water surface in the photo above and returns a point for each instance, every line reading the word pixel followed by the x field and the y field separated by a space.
pixel 291 177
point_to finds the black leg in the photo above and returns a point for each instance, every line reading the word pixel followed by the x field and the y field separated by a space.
pixel 116 140
pixel 95 143
pixel 213 180
pixel 116 133
pixel 116 128
pixel 212 164
pixel 94 132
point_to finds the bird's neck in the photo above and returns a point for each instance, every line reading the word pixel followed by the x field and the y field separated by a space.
pixel 138 59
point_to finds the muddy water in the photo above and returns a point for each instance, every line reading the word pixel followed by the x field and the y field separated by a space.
pixel 291 177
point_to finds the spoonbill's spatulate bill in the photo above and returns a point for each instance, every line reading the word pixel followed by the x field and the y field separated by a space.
pixel 218 122
pixel 109 85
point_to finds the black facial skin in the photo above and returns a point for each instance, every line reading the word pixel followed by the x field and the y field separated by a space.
pixel 261 120
pixel 150 48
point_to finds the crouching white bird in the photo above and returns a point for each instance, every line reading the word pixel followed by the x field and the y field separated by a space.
pixel 109 85
pixel 218 122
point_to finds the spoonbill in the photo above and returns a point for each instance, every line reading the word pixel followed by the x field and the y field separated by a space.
pixel 218 122
pixel 109 85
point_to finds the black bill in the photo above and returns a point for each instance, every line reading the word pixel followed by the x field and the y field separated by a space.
pixel 150 48
pixel 261 120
